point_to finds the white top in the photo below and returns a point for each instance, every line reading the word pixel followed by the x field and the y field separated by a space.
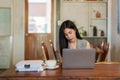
pixel 81 43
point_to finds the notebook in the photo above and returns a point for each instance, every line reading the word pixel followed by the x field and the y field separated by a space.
pixel 78 58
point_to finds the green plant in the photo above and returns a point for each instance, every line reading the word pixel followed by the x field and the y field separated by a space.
pixel 81 31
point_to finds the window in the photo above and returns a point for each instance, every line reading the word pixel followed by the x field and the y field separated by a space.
pixel 39 16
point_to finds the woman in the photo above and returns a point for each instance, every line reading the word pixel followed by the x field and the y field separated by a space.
pixel 69 37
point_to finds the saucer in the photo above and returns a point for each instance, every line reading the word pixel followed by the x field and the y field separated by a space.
pixel 57 66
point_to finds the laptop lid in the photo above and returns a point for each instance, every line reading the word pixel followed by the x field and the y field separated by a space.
pixel 78 58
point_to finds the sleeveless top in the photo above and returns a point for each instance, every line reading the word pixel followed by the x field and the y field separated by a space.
pixel 81 43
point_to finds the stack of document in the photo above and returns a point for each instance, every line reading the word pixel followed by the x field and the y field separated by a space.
pixel 30 65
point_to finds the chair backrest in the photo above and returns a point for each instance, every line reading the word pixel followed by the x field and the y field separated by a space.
pixel 53 49
pixel 99 50
pixel 57 55
pixel 100 44
pixel 105 52
pixel 45 51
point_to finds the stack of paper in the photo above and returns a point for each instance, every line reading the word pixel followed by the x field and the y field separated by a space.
pixel 30 65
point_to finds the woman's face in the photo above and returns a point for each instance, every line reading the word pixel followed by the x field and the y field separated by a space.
pixel 70 34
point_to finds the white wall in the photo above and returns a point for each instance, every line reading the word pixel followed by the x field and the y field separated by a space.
pixel 109 29
pixel 16 52
pixel 5 33
pixel 18 30
pixel 115 37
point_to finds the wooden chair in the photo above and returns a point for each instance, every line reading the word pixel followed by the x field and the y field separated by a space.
pixel 57 55
pixel 105 52
pixel 98 54
pixel 100 44
pixel 45 51
pixel 52 47
pixel 102 49
pixel 99 50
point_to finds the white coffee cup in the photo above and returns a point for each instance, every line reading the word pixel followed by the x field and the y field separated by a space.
pixel 51 63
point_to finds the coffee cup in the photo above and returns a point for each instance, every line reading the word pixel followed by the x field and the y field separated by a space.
pixel 51 63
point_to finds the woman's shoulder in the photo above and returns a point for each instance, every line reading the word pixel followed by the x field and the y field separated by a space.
pixel 82 43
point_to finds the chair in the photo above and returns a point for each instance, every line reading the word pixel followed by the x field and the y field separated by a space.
pixel 52 46
pixel 99 50
pixel 105 52
pixel 100 44
pixel 45 51
pixel 57 55
pixel 98 54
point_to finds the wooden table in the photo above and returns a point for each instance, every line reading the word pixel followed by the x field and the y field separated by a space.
pixel 102 71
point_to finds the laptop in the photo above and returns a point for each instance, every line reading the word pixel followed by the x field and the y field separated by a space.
pixel 78 58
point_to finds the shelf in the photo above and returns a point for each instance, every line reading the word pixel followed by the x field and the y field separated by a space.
pixel 94 36
pixel 95 39
pixel 98 18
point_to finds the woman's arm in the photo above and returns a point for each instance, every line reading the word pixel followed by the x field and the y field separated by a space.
pixel 88 45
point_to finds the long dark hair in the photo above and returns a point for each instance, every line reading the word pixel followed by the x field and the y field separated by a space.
pixel 63 42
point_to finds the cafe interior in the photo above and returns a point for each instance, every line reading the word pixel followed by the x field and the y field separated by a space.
pixel 30 28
